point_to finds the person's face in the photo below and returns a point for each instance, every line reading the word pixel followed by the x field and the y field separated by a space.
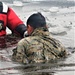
pixel 29 29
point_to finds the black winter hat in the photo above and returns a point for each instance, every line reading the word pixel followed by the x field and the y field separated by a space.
pixel 36 20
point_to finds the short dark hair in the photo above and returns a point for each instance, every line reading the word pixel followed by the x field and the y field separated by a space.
pixel 36 20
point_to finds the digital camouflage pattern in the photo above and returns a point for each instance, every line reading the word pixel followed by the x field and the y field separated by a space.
pixel 39 47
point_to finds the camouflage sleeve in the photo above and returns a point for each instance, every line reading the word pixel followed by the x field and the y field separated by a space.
pixel 19 53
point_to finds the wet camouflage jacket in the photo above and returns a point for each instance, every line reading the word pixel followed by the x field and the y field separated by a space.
pixel 39 47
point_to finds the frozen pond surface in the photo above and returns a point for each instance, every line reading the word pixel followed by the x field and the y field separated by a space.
pixel 61 22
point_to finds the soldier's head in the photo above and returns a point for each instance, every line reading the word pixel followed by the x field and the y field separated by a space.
pixel 36 20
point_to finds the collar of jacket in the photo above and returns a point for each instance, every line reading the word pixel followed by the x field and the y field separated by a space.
pixel 40 32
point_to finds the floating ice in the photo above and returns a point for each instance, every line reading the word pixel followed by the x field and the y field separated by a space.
pixel 17 3
pixel 54 9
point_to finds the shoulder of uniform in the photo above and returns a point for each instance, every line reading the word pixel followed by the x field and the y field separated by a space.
pixel 3 7
pixel 23 41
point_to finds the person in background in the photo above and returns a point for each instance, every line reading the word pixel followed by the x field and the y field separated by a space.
pixel 8 18
pixel 39 46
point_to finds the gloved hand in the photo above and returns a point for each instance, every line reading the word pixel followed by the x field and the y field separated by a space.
pixel 25 34
pixel 1 25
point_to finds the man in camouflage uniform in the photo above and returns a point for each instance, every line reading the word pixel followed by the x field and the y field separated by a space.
pixel 39 46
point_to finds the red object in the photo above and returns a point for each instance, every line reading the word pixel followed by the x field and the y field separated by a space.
pixel 11 20
pixel 3 18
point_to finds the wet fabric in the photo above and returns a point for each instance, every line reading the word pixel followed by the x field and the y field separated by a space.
pixel 39 47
